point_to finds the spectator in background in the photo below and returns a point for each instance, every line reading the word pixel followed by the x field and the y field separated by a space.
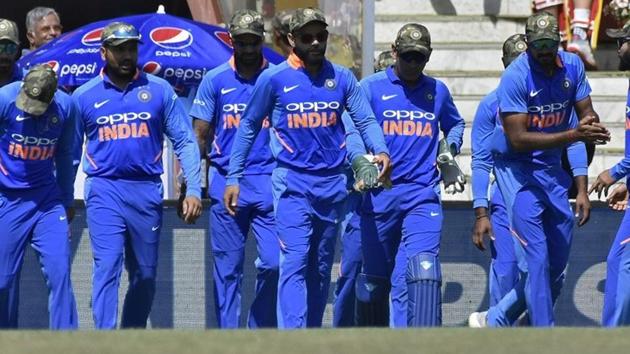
pixel 9 44
pixel 43 24
pixel 280 25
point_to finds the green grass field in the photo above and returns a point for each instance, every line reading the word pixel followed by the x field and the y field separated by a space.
pixel 365 341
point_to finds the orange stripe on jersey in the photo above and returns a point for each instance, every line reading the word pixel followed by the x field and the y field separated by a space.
pixel 91 161
pixel 294 61
pixel 216 146
pixel 158 156
pixel 523 242
pixel 3 169
pixel 625 241
pixel 286 146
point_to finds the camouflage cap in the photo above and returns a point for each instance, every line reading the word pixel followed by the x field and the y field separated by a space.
pixel 9 31
pixel 281 21
pixel 385 59
pixel 514 46
pixel 246 21
pixel 302 17
pixel 38 89
pixel 117 33
pixel 413 37
pixel 622 32
pixel 542 25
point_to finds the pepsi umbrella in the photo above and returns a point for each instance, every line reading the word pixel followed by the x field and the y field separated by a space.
pixel 177 49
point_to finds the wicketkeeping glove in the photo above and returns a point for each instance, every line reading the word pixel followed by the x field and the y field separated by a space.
pixel 365 174
pixel 452 175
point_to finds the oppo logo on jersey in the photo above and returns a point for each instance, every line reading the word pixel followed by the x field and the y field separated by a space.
pixel 310 115
pixel 232 115
pixel 234 108
pixel 126 125
pixel 31 147
pixel 399 114
pixel 548 108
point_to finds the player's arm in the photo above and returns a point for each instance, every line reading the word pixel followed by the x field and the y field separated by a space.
pixel 64 158
pixel 365 172
pixel 78 135
pixel 260 105
pixel 204 120
pixel 452 125
pixel 482 163
pixel 578 161
pixel 451 122
pixel 178 129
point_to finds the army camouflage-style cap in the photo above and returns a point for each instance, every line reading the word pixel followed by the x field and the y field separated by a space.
pixel 117 33
pixel 302 17
pixel 281 21
pixel 385 59
pixel 247 21
pixel 9 31
pixel 513 47
pixel 413 37
pixel 38 89
pixel 542 25
pixel 622 32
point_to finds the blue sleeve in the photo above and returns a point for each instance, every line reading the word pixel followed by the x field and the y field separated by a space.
pixel 482 160
pixel 64 155
pixel 512 92
pixel 204 103
pixel 260 105
pixel 583 88
pixel 78 136
pixel 576 152
pixel 359 109
pixel 178 128
pixel 451 122
pixel 5 101
pixel 354 144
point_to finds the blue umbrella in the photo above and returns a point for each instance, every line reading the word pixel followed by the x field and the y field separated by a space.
pixel 177 49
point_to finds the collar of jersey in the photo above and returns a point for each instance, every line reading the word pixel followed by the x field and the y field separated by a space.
pixel 109 82
pixel 391 75
pixel 536 66
pixel 263 66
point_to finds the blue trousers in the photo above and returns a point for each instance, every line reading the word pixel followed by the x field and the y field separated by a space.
pixel 409 215
pixel 229 234
pixel 36 216
pixel 616 310
pixel 123 216
pixel 309 209
pixel 542 224
pixel 398 301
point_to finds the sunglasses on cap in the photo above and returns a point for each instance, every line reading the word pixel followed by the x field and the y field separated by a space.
pixel 544 44
pixel 413 56
pixel 8 48
pixel 122 33
pixel 309 38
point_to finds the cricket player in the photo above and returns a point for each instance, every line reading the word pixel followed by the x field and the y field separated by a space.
pixel 124 114
pixel 616 310
pixel 536 95
pixel 304 98
pixel 491 217
pixel 217 109
pixel 351 255
pixel 412 108
pixel 36 191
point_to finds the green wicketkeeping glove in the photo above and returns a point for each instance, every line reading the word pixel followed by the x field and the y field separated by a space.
pixel 452 176
pixel 365 174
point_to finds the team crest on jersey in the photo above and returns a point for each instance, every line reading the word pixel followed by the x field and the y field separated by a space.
pixel 429 96
pixel 566 84
pixel 54 120
pixel 144 96
pixel 330 84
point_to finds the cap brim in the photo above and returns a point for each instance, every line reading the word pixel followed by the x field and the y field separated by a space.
pixel 29 105
pixel 239 32
pixel 617 33
pixel 413 48
pixel 535 37
pixel 306 23
pixel 117 42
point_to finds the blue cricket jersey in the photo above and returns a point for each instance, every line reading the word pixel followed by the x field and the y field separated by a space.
pixel 36 151
pixel 306 129
pixel 125 129
pixel 220 101
pixel 622 168
pixel 548 101
pixel 411 118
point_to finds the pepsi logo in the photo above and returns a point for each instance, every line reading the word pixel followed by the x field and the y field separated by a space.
pixel 224 37
pixel 171 37
pixel 54 65
pixel 151 67
pixel 93 37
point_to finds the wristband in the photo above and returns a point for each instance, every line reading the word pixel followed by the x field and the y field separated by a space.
pixel 478 217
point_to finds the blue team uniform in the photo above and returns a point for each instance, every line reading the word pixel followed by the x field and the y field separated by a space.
pixel 123 191
pixel 411 211
pixel 221 99
pixel 309 183
pixel 534 184
pixel 503 268
pixel 36 185
pixel 616 310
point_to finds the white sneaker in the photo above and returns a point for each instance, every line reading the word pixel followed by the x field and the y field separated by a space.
pixel 478 320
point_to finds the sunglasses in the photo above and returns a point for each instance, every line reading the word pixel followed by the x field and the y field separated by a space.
pixel 544 44
pixel 8 48
pixel 242 44
pixel 309 38
pixel 413 56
